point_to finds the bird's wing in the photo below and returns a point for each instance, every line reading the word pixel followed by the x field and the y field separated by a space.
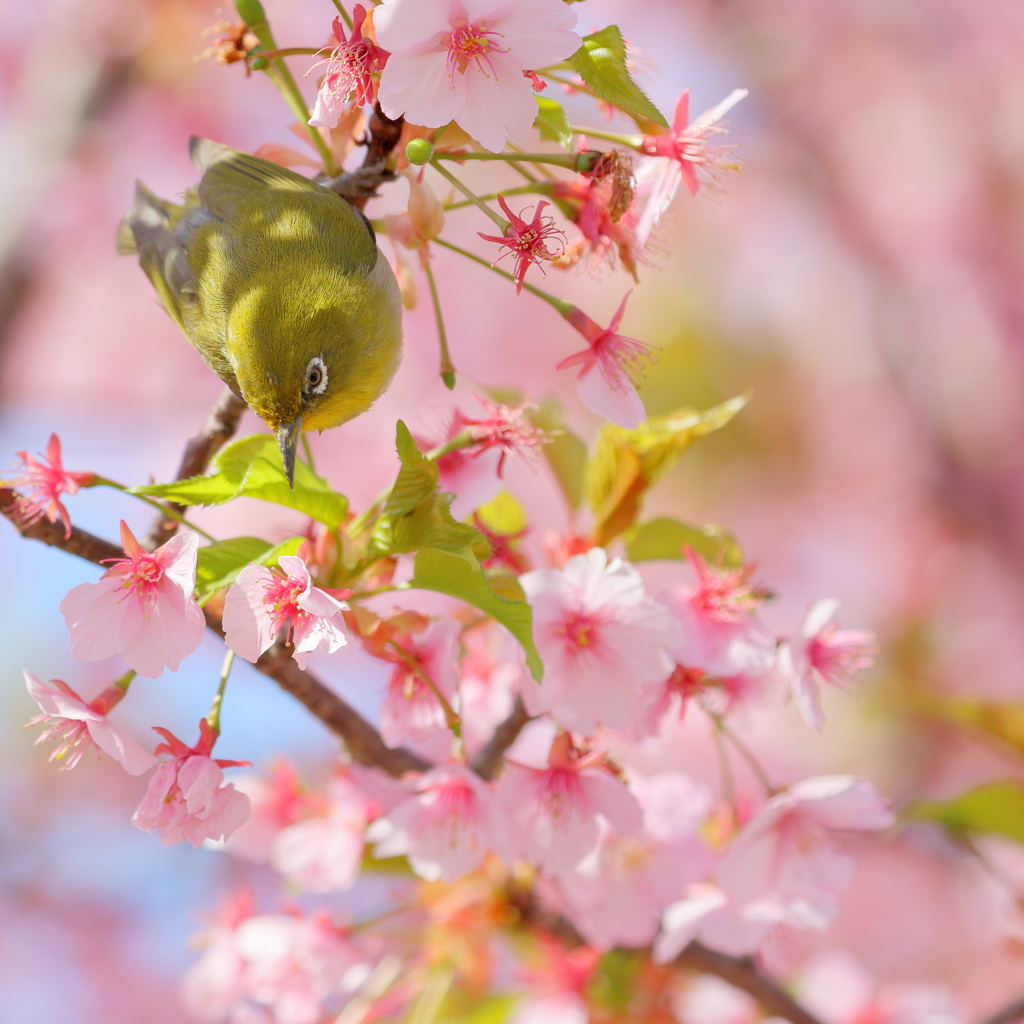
pixel 148 229
pixel 230 177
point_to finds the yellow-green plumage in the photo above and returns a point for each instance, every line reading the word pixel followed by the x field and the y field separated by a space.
pixel 273 279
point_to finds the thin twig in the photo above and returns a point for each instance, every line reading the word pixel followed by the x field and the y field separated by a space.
pixel 1009 1014
pixel 219 428
pixel 360 186
pixel 490 757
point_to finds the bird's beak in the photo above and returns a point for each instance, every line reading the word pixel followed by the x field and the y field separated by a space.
pixel 288 435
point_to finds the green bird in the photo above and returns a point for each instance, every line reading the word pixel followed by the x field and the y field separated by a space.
pixel 279 284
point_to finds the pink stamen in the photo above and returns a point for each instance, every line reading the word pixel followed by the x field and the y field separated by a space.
pixel 471 45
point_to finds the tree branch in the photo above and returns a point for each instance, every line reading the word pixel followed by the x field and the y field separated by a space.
pixel 1009 1014
pixel 490 757
pixel 361 739
pixel 219 428
pixel 360 186
pixel 742 973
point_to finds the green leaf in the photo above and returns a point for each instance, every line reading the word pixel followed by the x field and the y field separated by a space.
pixel 628 463
pixel 450 574
pixel 552 123
pixel 415 485
pixel 218 564
pixel 996 808
pixel 664 538
pixel 601 63
pixel 566 454
pixel 251 468
pixel 503 515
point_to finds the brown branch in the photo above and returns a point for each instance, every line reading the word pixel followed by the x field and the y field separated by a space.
pixel 220 426
pixel 361 739
pixel 360 186
pixel 1009 1014
pixel 742 973
pixel 490 757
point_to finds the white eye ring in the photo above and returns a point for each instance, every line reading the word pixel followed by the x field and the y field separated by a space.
pixel 315 380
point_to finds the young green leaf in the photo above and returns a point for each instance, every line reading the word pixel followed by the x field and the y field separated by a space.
pixel 995 808
pixel 218 564
pixel 552 123
pixel 447 573
pixel 664 538
pixel 601 63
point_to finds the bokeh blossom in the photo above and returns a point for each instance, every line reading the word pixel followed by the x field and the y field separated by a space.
pixel 464 61
pixel 46 484
pixel 142 608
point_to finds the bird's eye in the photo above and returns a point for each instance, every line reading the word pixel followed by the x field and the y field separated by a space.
pixel 315 381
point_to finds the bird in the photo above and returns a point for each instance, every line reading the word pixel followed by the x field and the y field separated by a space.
pixel 279 284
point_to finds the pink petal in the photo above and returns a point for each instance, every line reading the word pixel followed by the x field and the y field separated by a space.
pixel 100 619
pixel 537 32
pixel 121 747
pixel 682 920
pixel 412 26
pixel 199 778
pixel 498 105
pixel 247 626
pixel 319 855
pixel 178 559
pixel 420 87
pixel 53 702
pixel 620 404
pixel 170 630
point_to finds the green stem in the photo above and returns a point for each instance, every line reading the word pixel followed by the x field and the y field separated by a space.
pixel 543 171
pixel 447 369
pixel 289 51
pixel 578 86
pixel 123 682
pixel 463 439
pixel 344 14
pixel 567 160
pixel 564 308
pixel 171 513
pixel 282 78
pixel 309 453
pixel 503 224
pixel 214 716
pixel 632 141
pixel 451 719
pixel 540 188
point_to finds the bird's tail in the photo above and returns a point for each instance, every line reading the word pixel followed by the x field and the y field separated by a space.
pixel 147 214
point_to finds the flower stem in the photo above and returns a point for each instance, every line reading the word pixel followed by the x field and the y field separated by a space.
pixel 564 308
pixel 447 369
pixel 123 682
pixel 747 754
pixel 728 785
pixel 451 719
pixel 503 224
pixel 308 452
pixel 567 160
pixel 345 17
pixel 540 188
pixel 214 716
pixel 632 141
pixel 171 513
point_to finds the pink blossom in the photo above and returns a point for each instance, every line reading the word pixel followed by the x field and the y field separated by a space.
pixel 491 669
pixel 265 601
pixel 411 710
pixel 79 725
pixel 686 155
pixel 610 367
pixel 276 801
pixel 550 816
pixel 601 638
pixel 446 829
pixel 351 67
pixel 666 699
pixel 47 483
pixel 463 60
pixel 782 868
pixel 185 799
pixel 324 853
pixel 505 428
pixel 527 240
pixel 721 633
pixel 142 608
pixel 818 653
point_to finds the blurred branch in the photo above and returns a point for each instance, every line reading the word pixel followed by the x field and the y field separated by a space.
pixel 492 754
pixel 361 739
pixel 220 425
pixel 360 186
pixel 1008 1014
pixel 742 973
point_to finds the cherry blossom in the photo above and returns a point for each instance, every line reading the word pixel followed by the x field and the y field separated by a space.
pixel 490 673
pixel 411 709
pixel 47 484
pixel 527 241
pixel 185 799
pixel 610 366
pixel 506 429
pixel 721 634
pixel 277 800
pixel 79 725
pixel 818 653
pixel 446 829
pixel 602 640
pixel 142 608
pixel 263 602
pixel 551 815
pixel 351 66
pixel 686 155
pixel 464 60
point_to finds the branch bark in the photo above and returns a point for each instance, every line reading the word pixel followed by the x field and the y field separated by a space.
pixel 361 739
pixel 219 428
pixel 742 973
pixel 360 186
pixel 490 757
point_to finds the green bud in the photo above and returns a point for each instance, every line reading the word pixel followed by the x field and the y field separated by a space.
pixel 258 63
pixel 449 380
pixel 250 11
pixel 419 151
pixel 586 161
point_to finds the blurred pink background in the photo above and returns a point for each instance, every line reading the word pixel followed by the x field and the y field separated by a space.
pixel 861 278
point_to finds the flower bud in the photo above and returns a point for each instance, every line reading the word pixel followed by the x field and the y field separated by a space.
pixel 250 11
pixel 419 151
pixel 258 63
